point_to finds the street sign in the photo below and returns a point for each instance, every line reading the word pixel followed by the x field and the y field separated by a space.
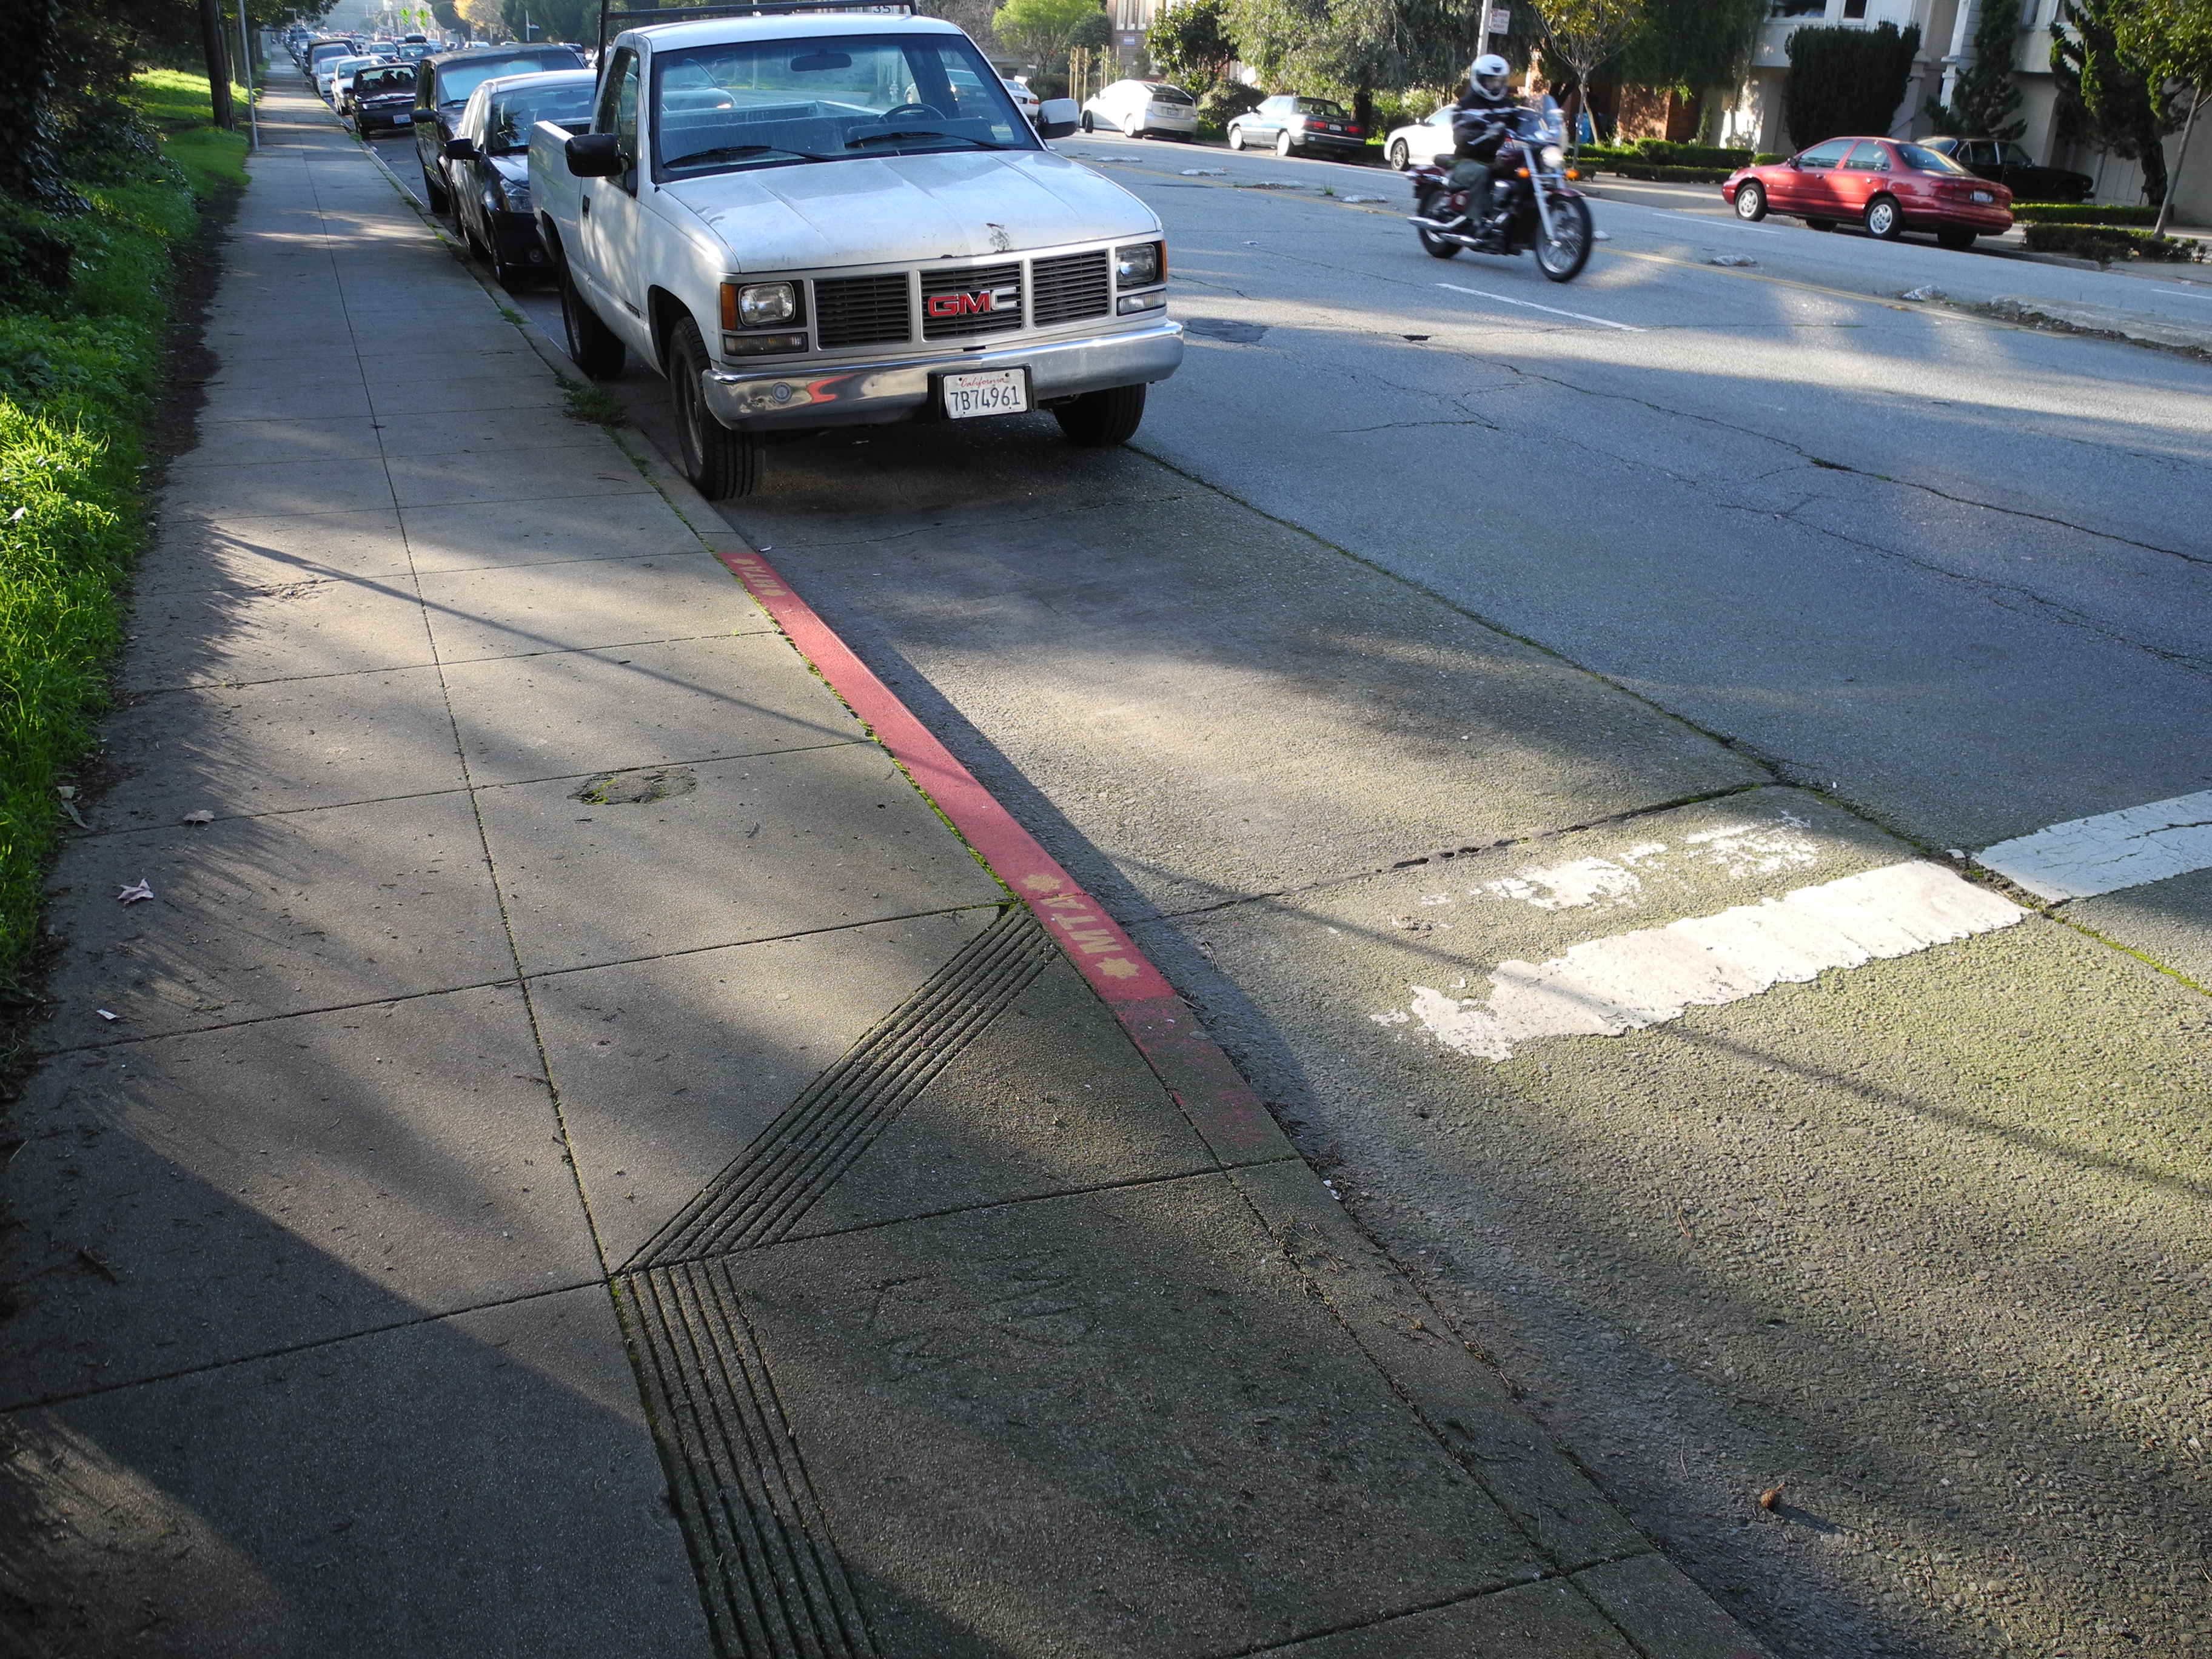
pixel 1500 20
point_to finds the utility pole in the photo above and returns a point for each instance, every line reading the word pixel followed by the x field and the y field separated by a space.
pixel 245 57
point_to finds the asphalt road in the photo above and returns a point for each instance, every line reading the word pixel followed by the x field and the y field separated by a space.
pixel 1441 622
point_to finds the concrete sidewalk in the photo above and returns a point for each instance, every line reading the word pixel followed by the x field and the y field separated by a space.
pixel 576 1157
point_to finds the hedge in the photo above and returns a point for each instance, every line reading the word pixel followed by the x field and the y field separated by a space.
pixel 1661 153
pixel 80 341
pixel 2106 243
pixel 2082 213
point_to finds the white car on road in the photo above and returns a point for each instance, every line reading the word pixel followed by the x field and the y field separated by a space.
pixel 1024 99
pixel 1142 109
pixel 1421 144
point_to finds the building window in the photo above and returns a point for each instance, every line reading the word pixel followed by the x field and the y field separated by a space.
pixel 1799 8
pixel 1854 8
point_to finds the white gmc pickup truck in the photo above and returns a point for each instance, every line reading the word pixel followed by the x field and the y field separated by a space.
pixel 806 216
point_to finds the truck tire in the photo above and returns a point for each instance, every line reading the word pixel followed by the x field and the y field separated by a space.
pixel 1099 420
pixel 720 463
pixel 592 346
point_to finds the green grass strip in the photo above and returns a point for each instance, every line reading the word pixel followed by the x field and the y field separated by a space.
pixel 77 385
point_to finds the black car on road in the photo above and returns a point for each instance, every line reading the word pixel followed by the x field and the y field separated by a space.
pixel 1295 125
pixel 383 99
pixel 2010 164
pixel 443 86
pixel 487 163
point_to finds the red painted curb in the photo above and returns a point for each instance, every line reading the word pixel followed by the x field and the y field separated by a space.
pixel 1166 1032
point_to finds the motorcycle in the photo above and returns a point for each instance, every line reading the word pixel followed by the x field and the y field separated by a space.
pixel 1531 204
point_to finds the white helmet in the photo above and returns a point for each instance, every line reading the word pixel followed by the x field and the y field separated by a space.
pixel 1490 73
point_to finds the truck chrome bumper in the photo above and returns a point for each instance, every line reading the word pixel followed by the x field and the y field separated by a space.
pixel 869 393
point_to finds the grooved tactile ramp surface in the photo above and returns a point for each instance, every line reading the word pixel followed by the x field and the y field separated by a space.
pixel 764 1194
pixel 769 1571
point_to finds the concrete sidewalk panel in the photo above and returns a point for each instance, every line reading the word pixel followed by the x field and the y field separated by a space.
pixel 279 747
pixel 314 397
pixel 1658 1605
pixel 582 604
pixel 557 714
pixel 1531 1621
pixel 591 466
pixel 477 1487
pixel 1047 1097
pixel 471 432
pixel 196 1199
pixel 259 490
pixel 523 392
pixel 285 630
pixel 1463 1402
pixel 762 847
pixel 447 539
pixel 258 917
pixel 195 554
pixel 305 444
pixel 1112 1423
pixel 668 1069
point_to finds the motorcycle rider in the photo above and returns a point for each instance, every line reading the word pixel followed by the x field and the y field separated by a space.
pixel 1479 126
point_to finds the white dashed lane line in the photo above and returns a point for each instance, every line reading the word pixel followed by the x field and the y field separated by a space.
pixel 1507 299
pixel 2085 857
pixel 1632 981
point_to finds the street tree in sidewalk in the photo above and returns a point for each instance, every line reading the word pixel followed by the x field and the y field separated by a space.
pixel 1700 48
pixel 1043 30
pixel 1984 100
pixel 1587 36
pixel 2106 95
pixel 1192 44
pixel 1332 48
pixel 2172 41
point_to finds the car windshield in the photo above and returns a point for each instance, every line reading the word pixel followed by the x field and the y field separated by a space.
pixel 1169 95
pixel 1922 160
pixel 378 82
pixel 1320 106
pixel 2015 155
pixel 507 124
pixel 348 65
pixel 777 103
pixel 456 81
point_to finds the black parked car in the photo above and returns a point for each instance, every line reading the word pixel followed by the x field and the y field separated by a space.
pixel 383 99
pixel 2011 165
pixel 443 86
pixel 1297 125
pixel 487 161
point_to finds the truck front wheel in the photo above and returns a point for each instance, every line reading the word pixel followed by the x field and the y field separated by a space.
pixel 1099 420
pixel 592 346
pixel 721 465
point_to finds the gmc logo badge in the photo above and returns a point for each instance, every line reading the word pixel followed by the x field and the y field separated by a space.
pixel 943 306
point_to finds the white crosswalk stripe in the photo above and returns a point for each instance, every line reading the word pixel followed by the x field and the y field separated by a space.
pixel 2085 857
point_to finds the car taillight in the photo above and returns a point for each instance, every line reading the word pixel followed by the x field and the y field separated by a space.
pixel 1352 128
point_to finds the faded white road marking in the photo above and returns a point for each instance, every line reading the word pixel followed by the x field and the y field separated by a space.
pixel 1737 849
pixel 1507 299
pixel 2085 857
pixel 1609 986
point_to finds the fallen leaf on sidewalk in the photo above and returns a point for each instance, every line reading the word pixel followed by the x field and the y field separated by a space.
pixel 132 894
pixel 97 1265
pixel 75 817
pixel 201 817
pixel 1772 1498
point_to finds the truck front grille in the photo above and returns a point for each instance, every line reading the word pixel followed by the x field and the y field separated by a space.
pixel 851 311
pixel 981 300
pixel 1073 285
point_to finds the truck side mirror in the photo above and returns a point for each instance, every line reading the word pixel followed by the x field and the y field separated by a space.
pixel 460 149
pixel 1058 117
pixel 595 155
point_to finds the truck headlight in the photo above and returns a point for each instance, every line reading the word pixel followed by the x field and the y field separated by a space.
pixel 761 303
pixel 1138 265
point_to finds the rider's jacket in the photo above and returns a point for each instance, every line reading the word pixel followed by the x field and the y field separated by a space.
pixel 1479 123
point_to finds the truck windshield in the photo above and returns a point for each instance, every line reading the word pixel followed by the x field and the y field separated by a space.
pixel 778 103
pixel 512 114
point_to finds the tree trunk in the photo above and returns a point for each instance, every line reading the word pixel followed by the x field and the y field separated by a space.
pixel 218 60
pixel 27 83
pixel 2180 159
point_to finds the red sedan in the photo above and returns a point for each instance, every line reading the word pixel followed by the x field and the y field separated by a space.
pixel 1888 184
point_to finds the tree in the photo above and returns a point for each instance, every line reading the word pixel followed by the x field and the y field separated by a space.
pixel 2172 40
pixel 1985 102
pixel 551 19
pixel 1586 35
pixel 2105 94
pixel 482 16
pixel 1042 30
pixel 1192 45
pixel 1694 45
pixel 1845 80
pixel 1335 48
